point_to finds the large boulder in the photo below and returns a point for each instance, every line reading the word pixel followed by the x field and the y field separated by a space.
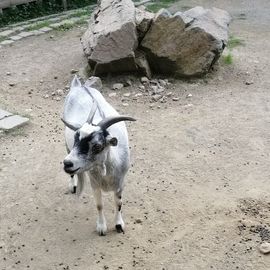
pixel 186 44
pixel 111 38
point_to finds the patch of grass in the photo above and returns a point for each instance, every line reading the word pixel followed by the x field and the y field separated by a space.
pixel 68 26
pixel 37 26
pixel 228 59
pixel 2 38
pixel 234 42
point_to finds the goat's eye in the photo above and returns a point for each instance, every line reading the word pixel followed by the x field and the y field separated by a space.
pixel 96 148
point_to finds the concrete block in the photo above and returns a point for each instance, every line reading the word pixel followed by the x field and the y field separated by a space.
pixel 4 114
pixel 12 121
pixel 7 33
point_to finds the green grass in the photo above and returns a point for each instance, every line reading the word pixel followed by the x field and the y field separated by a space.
pixel 234 42
pixel 38 26
pixel 79 13
pixel 228 59
pixel 68 26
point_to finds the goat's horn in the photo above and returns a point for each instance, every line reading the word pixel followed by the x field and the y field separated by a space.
pixel 71 125
pixel 92 112
pixel 107 122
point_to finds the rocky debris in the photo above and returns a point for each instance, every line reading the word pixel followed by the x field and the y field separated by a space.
pixel 59 92
pixel 12 84
pixel 113 94
pixel 118 86
pixel 111 38
pixel 175 99
pixel 73 71
pixel 144 80
pixel 94 82
pixel 186 44
pixel 249 82
pixel 264 248
pixel 189 95
pixel 127 82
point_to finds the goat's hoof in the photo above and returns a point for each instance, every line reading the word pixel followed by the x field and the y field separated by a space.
pixel 101 229
pixel 119 228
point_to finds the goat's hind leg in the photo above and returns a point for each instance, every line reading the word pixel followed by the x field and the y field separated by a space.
pixel 101 221
pixel 119 223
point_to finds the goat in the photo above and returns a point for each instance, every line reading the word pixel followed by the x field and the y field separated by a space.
pixel 98 146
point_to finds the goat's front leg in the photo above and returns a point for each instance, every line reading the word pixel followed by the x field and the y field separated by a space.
pixel 101 221
pixel 119 223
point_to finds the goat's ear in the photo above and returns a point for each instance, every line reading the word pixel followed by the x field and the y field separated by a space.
pixel 111 140
pixel 76 82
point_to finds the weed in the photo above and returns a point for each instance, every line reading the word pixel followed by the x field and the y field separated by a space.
pixel 37 26
pixel 234 42
pixel 157 5
pixel 228 59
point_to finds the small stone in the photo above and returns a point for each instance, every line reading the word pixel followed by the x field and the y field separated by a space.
pixel 51 37
pixel 8 73
pixel 154 88
pixel 73 71
pixel 156 97
pixel 67 87
pixel 55 77
pixel 41 81
pixel 59 92
pixel 12 84
pixel 163 83
pixel 125 104
pixel 249 82
pixel 138 221
pixel 175 98
pixel 57 98
pixel 113 94
pixel 189 95
pixel 142 87
pixel 127 95
pixel 46 96
pixel 169 94
pixel 53 93
pixel 127 83
pixel 144 80
pixel 117 86
pixel 264 248
pixel 138 95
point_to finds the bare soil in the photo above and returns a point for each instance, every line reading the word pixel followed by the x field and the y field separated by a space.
pixel 197 195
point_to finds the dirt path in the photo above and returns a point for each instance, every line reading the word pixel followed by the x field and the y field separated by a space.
pixel 197 196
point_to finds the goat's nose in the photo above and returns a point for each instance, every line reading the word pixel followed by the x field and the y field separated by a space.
pixel 68 164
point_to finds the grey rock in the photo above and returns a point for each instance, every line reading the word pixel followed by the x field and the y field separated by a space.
pixel 156 97
pixel 112 95
pixel 142 64
pixel 186 44
pixel 111 38
pixel 12 121
pixel 94 82
pixel 117 86
pixel 264 248
pixel 59 92
pixel 175 98
pixel 144 80
pixel 37 32
pixel 12 84
pixel 143 22
pixel 4 113
pixel 73 71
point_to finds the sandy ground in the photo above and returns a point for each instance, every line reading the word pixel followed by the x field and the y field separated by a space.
pixel 197 195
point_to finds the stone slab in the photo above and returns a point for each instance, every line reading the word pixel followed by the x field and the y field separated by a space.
pixel 45 29
pixel 15 38
pixel 25 34
pixel 4 114
pixel 6 42
pixel 6 33
pixel 37 32
pixel 12 121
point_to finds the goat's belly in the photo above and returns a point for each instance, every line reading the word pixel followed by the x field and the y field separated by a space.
pixel 103 182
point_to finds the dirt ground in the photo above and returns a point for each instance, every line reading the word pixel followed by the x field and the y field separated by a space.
pixel 197 195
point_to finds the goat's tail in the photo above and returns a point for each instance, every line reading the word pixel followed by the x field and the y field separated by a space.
pixel 81 182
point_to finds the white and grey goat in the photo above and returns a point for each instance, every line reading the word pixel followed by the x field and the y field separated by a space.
pixel 98 146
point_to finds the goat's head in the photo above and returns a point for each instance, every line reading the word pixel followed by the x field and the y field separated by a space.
pixel 91 142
